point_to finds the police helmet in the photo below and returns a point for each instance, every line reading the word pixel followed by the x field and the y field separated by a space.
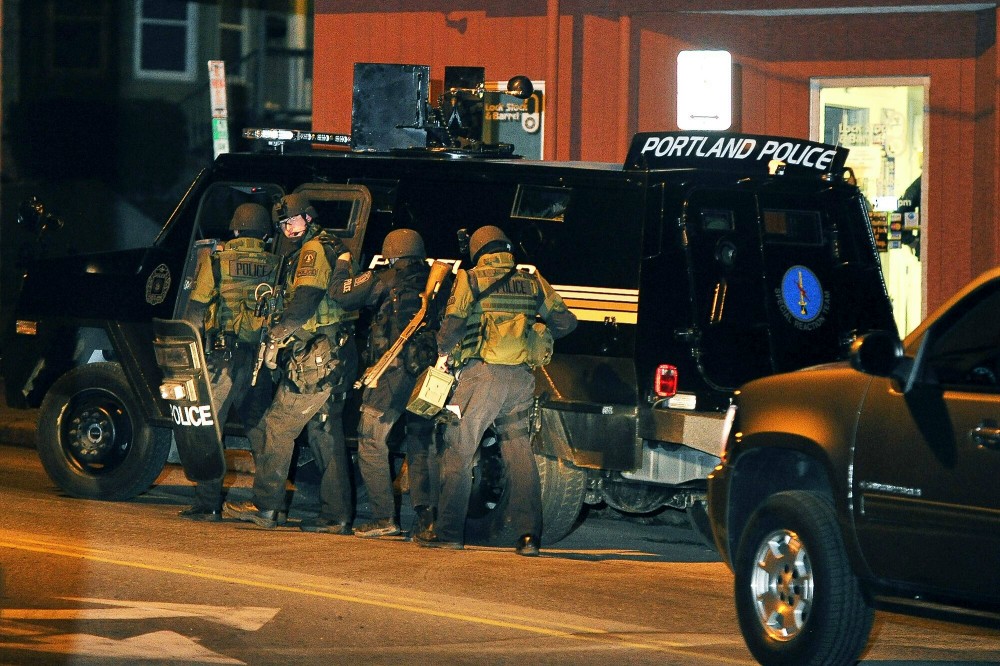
pixel 488 239
pixel 291 205
pixel 403 243
pixel 250 219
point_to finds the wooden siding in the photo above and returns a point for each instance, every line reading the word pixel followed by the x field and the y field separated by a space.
pixel 609 75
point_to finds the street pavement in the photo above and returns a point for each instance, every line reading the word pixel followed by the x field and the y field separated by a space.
pixel 17 426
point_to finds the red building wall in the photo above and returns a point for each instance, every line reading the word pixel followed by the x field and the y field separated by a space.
pixel 610 70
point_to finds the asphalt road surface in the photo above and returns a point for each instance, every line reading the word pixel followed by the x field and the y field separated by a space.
pixel 87 582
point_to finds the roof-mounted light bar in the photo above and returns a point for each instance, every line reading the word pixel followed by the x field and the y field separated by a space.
pixel 277 138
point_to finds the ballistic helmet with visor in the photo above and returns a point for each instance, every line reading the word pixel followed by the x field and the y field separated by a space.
pixel 250 219
pixel 291 205
pixel 403 243
pixel 488 239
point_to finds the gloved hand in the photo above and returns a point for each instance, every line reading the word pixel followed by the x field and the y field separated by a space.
pixel 443 363
pixel 271 354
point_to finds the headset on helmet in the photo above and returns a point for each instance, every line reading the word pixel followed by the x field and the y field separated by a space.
pixel 291 205
pixel 403 243
pixel 250 219
pixel 488 239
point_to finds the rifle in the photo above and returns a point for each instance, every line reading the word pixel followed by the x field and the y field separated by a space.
pixel 269 304
pixel 439 270
pixel 463 242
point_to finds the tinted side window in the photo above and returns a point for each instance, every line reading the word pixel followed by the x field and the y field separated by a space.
pixel 964 351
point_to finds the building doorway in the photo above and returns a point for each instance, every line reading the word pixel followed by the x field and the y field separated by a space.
pixel 883 121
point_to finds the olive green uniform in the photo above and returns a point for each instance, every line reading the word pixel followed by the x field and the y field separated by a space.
pixel 222 303
pixel 309 312
pixel 495 386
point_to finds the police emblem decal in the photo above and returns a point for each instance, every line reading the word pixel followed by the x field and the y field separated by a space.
pixel 802 297
pixel 157 285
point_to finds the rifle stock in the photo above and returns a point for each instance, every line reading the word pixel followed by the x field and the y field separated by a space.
pixel 439 271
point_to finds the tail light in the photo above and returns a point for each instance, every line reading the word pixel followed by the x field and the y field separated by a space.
pixel 665 381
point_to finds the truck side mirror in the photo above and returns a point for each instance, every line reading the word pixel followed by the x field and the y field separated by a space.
pixel 30 213
pixel 878 353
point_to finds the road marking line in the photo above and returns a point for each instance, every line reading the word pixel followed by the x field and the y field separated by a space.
pixel 587 634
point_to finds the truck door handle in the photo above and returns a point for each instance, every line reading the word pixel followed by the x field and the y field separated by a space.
pixel 986 434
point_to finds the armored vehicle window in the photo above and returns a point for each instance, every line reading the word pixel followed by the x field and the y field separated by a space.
pixel 540 203
pixel 384 193
pixel 801 227
pixel 342 209
pixel 221 200
pixel 717 220
pixel 215 210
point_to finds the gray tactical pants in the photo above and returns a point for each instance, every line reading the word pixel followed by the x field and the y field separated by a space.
pixel 273 442
pixel 229 384
pixel 381 407
pixel 500 395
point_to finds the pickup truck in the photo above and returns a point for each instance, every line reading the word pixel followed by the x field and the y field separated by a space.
pixel 864 483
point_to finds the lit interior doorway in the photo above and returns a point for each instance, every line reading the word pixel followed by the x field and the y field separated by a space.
pixel 884 124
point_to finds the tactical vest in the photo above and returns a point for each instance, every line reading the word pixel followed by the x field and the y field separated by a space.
pixel 501 327
pixel 328 312
pixel 240 268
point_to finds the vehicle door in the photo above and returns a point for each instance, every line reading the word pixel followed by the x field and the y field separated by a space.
pixel 727 292
pixel 927 461
pixel 342 210
pixel 211 227
pixel 803 292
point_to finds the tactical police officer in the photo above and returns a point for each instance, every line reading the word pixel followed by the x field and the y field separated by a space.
pixel 393 293
pixel 319 360
pixel 223 304
pixel 498 325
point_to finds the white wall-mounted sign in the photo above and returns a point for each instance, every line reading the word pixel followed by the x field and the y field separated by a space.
pixel 704 90
pixel 521 122
pixel 220 112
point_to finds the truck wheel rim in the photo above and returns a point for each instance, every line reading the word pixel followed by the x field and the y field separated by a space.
pixel 782 585
pixel 96 432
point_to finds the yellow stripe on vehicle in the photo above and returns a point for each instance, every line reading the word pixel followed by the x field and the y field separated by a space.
pixel 601 303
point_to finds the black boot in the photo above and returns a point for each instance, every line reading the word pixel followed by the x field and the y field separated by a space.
pixel 424 524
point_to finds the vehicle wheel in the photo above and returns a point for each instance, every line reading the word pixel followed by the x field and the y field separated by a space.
pixel 93 440
pixel 563 490
pixel 797 600
pixel 484 521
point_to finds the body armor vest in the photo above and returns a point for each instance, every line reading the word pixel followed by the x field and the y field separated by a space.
pixel 497 329
pixel 240 267
pixel 328 312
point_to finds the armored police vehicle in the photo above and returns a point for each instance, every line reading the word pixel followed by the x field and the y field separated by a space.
pixel 703 261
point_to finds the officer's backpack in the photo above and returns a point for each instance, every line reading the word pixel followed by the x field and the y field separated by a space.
pixel 396 311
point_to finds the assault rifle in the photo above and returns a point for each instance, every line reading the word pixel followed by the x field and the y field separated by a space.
pixel 439 270
pixel 269 305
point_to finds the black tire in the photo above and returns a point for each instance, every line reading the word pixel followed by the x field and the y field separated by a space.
pixel 797 599
pixel 563 489
pixel 93 439
pixel 484 522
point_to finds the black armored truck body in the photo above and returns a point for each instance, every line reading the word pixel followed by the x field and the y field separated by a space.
pixel 704 261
